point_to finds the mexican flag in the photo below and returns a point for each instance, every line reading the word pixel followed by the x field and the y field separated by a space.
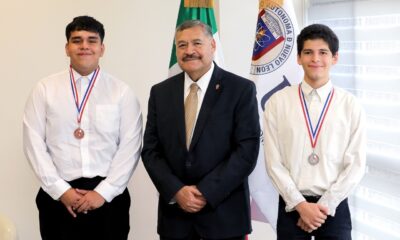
pixel 202 10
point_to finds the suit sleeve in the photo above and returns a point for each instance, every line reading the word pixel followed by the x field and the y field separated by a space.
pixel 234 170
pixel 156 165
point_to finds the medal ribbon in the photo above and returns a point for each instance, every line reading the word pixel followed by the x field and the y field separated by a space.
pixel 314 133
pixel 81 107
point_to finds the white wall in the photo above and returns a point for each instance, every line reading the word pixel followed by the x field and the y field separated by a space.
pixel 138 42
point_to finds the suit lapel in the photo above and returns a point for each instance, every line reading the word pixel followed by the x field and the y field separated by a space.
pixel 212 94
pixel 177 96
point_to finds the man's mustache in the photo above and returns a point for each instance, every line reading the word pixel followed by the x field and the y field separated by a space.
pixel 191 57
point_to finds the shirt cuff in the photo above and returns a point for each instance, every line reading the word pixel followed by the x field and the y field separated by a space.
pixel 107 191
pixel 172 201
pixel 331 204
pixel 57 189
pixel 293 201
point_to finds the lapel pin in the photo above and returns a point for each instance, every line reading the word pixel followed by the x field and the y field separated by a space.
pixel 217 87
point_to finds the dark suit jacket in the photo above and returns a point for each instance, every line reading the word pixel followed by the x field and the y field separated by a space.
pixel 222 154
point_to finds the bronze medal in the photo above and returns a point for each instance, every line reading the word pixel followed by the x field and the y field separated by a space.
pixel 79 133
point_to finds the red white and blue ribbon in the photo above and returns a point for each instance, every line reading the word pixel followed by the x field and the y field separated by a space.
pixel 314 133
pixel 80 107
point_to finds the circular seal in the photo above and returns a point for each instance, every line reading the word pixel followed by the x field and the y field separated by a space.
pixel 274 41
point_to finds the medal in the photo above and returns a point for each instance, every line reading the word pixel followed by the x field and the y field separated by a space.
pixel 313 134
pixel 79 133
pixel 313 159
pixel 80 107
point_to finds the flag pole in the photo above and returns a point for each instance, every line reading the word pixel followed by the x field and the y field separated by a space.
pixel 199 3
pixel 270 3
pixel 216 12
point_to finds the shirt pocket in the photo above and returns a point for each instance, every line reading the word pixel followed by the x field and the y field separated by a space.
pixel 107 118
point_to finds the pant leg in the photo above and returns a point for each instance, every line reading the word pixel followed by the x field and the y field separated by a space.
pixel 116 217
pixel 192 236
pixel 287 228
pixel 197 237
pixel 55 222
pixel 187 238
pixel 234 238
pixel 337 227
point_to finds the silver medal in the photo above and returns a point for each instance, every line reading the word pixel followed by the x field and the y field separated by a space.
pixel 313 159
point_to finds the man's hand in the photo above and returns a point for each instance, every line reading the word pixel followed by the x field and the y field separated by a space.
pixel 70 198
pixel 190 199
pixel 312 215
pixel 303 226
pixel 91 200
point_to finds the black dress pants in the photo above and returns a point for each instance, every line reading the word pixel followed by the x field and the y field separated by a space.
pixel 196 237
pixel 193 235
pixel 109 222
pixel 334 228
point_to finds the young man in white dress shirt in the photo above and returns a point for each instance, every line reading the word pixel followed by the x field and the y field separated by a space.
pixel 82 131
pixel 314 144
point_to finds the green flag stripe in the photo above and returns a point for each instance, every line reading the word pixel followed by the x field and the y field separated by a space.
pixel 205 15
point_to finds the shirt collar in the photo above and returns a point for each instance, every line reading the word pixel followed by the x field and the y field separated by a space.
pixel 202 82
pixel 321 92
pixel 78 76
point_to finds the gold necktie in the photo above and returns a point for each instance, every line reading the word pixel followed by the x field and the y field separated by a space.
pixel 190 112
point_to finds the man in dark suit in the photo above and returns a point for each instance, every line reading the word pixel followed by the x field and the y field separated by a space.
pixel 200 169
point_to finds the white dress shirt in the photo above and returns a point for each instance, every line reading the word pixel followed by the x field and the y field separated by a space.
pixel 340 146
pixel 110 148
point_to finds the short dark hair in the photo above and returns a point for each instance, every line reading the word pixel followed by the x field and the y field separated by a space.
pixel 318 31
pixel 194 23
pixel 85 23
